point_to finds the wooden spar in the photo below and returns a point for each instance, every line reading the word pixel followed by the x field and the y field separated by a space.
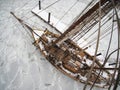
pixel 72 29
pixel 91 57
pixel 100 68
pixel 21 21
pixel 47 22
pixel 27 26
pixel 49 14
pixel 16 17
pixel 39 5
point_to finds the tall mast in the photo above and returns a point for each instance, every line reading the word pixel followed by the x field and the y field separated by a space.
pixel 106 6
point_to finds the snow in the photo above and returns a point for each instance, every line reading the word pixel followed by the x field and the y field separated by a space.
pixel 53 21
pixel 39 33
pixel 61 14
pixel 22 67
pixel 59 25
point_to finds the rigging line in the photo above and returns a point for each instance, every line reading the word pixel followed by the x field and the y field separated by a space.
pixel 18 27
pixel 33 22
pixel 66 12
pixel 41 26
pixel 102 37
pixel 45 8
pixel 92 33
pixel 92 41
pixel 95 30
pixel 105 61
pixel 28 34
pixel 89 25
pixel 84 10
pixel 84 33
pixel 21 31
pixel 105 35
pixel 97 45
pixel 118 24
pixel 110 36
pixel 112 53
pixel 79 36
pixel 117 79
pixel 31 30
pixel 117 82
pixel 83 27
pixel 24 24
pixel 91 18
pixel 25 29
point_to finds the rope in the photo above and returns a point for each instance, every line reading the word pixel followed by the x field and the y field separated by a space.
pixel 84 31
pixel 105 34
pixel 112 53
pixel 84 10
pixel 97 45
pixel 35 23
pixel 104 22
pixel 118 24
pixel 106 54
pixel 22 31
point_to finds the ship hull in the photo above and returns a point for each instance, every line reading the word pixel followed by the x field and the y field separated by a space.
pixel 68 62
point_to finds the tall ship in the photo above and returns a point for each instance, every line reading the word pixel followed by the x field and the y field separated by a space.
pixel 64 52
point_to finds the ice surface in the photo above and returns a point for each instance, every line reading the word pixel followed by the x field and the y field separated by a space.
pixel 53 21
pixel 56 22
pixel 22 67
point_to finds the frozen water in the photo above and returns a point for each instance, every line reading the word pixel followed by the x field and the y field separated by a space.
pixel 22 67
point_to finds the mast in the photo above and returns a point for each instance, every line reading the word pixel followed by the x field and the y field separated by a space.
pixel 106 6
